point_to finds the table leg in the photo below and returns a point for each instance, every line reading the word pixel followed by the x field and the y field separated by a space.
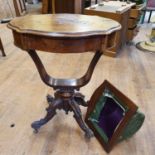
pixel 66 96
pixel 78 117
pixel 51 112
pixel 59 83
pixel 68 101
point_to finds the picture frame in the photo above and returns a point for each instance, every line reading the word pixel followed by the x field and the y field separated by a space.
pixel 109 111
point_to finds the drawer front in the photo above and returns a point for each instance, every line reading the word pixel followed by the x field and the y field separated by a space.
pixel 135 13
pixel 131 33
pixel 132 22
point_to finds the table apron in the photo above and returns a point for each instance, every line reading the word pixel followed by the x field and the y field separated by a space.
pixel 58 45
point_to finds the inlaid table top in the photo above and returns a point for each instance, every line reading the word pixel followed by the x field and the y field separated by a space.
pixel 64 25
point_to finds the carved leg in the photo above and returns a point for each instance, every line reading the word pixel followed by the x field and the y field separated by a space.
pixel 78 117
pixel 50 99
pixel 79 98
pixel 51 111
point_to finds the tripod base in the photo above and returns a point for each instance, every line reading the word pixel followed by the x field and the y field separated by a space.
pixel 68 100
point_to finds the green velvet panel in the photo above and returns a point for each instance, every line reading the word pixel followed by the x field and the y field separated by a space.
pixel 133 126
pixel 100 131
pixel 94 116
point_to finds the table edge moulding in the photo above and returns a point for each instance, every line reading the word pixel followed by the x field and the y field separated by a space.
pixel 77 21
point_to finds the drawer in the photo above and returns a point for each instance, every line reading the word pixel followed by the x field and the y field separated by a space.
pixel 131 33
pixel 136 11
pixel 132 22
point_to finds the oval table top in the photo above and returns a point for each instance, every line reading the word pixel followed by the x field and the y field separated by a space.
pixel 64 25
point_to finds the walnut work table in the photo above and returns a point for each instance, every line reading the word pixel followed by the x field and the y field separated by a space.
pixel 64 33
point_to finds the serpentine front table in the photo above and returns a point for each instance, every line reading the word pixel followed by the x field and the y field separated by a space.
pixel 64 33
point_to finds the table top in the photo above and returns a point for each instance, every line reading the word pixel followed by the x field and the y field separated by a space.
pixel 112 6
pixel 64 25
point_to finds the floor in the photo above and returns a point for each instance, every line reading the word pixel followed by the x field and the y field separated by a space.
pixel 22 100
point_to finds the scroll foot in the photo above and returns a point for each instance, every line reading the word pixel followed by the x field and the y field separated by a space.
pixel 89 134
pixel 37 124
